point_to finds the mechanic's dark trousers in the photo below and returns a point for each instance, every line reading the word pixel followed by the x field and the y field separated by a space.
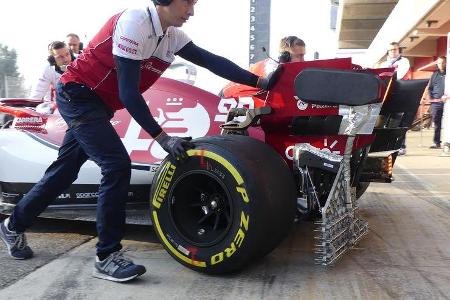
pixel 437 109
pixel 90 135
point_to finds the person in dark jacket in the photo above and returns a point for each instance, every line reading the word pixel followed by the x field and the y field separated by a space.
pixel 436 97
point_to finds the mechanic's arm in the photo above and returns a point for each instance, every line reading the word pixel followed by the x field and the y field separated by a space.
pixel 128 77
pixel 222 66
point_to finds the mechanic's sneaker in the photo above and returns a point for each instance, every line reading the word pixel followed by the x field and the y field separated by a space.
pixel 402 151
pixel 446 150
pixel 117 268
pixel 15 242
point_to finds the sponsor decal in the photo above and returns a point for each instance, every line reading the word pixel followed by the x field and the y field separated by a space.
pixel 302 105
pixel 322 106
pixel 206 164
pixel 235 244
pixel 331 146
pixel 148 65
pixel 29 120
pixel 289 152
pixel 127 49
pixel 163 185
pixel 129 41
pixel 10 195
pixel 228 103
pixel 179 121
pixel 86 195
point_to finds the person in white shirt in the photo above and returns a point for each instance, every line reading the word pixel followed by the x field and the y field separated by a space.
pixel 58 59
pixel 396 60
pixel 401 64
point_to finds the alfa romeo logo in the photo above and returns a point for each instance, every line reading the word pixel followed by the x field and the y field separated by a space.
pixel 302 105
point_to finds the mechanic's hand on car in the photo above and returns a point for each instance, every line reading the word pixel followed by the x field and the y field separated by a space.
pixel 176 146
pixel 267 83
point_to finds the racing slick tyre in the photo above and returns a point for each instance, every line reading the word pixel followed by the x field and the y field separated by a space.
pixel 231 202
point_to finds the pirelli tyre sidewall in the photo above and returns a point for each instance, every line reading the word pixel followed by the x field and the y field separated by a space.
pixel 228 169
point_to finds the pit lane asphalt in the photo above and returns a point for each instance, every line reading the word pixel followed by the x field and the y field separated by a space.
pixel 406 254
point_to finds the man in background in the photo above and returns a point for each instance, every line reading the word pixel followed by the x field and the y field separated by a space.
pixel 291 49
pixel 395 60
pixel 58 59
pixel 73 41
pixel 401 64
pixel 436 97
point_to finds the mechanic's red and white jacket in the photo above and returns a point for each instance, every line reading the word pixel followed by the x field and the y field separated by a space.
pixel 135 34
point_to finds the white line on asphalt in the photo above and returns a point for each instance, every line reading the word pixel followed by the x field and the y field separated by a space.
pixel 424 174
pixel 429 188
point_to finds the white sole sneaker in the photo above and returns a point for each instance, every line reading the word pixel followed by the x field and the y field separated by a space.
pixel 99 275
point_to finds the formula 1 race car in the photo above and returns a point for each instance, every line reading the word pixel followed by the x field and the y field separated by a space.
pixel 308 148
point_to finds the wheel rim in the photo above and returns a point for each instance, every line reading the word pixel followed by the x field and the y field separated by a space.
pixel 200 207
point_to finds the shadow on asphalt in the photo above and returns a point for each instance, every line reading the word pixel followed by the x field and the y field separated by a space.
pixel 139 233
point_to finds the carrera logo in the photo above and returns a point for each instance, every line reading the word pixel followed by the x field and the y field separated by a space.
pixel 29 120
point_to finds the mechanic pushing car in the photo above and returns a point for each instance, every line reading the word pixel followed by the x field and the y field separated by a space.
pixel 122 61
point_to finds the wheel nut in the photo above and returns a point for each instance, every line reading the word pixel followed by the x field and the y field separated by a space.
pixel 201 231
pixel 213 204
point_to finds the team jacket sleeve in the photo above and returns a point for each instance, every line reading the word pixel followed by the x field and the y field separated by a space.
pixel 42 87
pixel 128 76
pixel 217 64
pixel 128 40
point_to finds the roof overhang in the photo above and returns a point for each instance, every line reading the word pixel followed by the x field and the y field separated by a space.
pixel 415 25
pixel 360 20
